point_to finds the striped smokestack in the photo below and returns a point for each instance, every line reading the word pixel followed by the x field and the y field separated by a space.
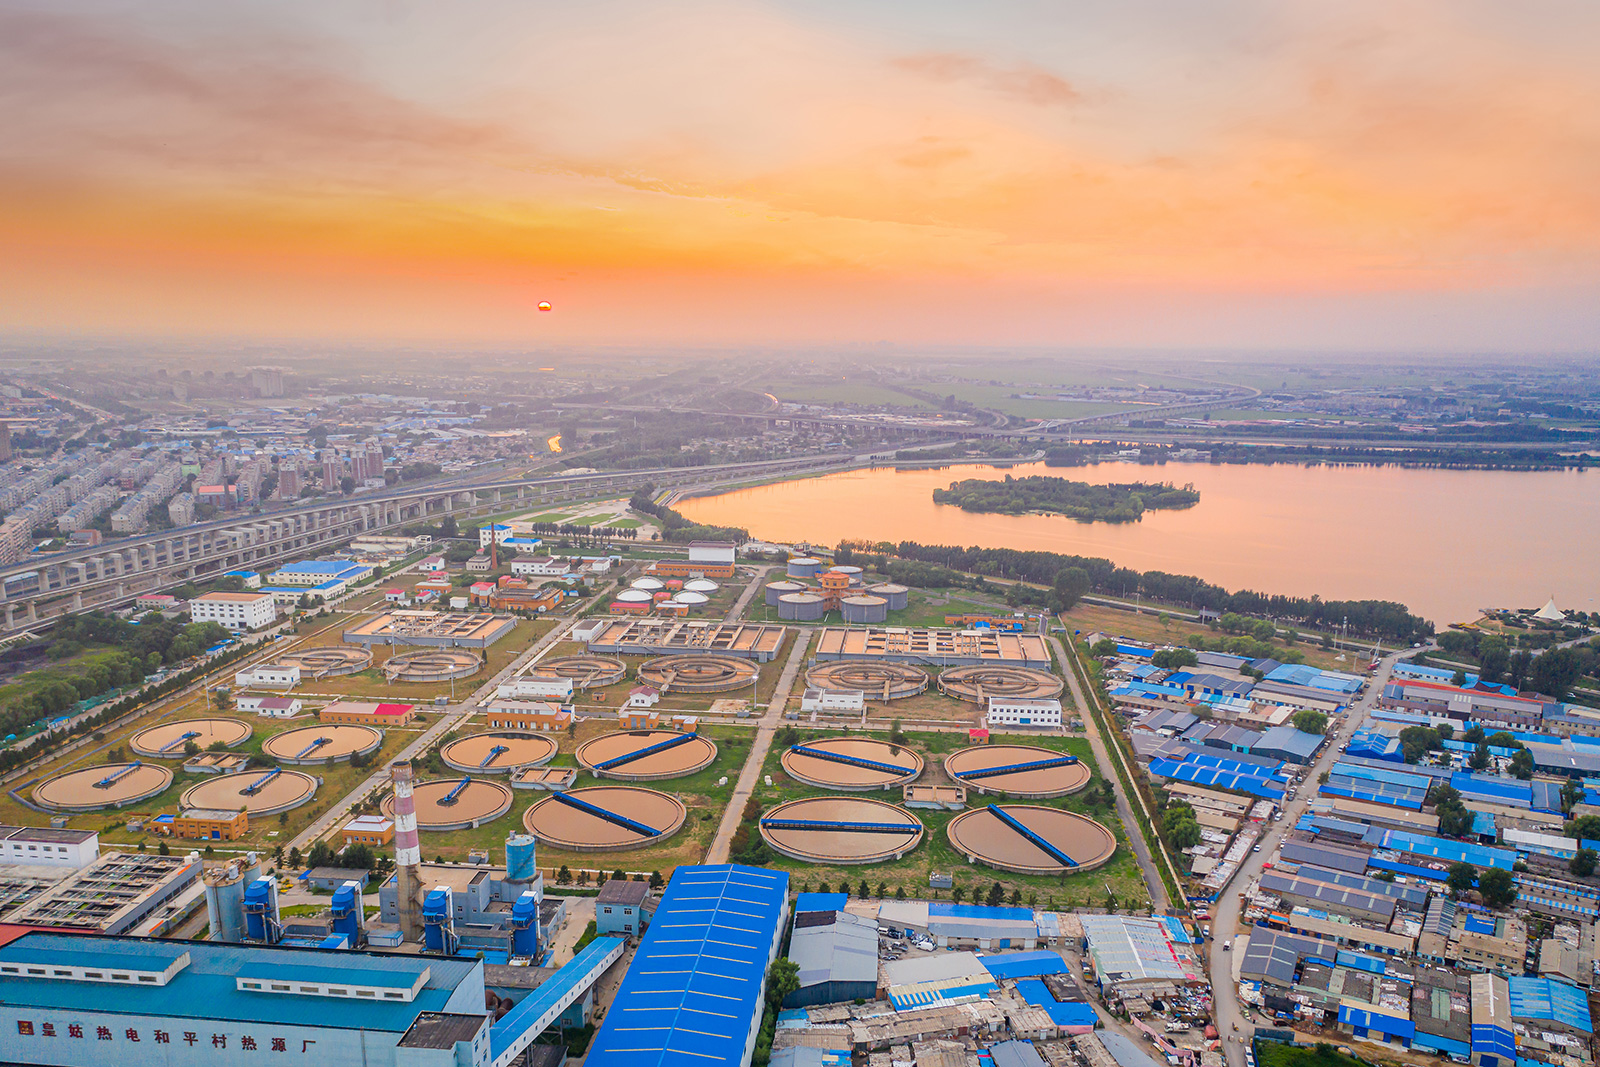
pixel 407 853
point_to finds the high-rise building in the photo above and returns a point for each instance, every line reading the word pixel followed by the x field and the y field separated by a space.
pixel 332 470
pixel 288 481
pixel 267 381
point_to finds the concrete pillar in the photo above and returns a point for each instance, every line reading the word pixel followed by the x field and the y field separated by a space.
pixel 33 612
pixel 77 601
pixel 11 616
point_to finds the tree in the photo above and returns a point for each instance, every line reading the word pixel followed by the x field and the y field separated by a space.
pixel 863 890
pixel 1105 648
pixel 1554 671
pixel 163 850
pixel 1480 756
pixel 1522 764
pixel 996 895
pixel 1173 658
pixel 347 485
pixel 656 881
pixel 190 748
pixel 1016 897
pixel 1571 793
pixel 564 875
pixel 222 699
pixel 900 892
pixel 1473 734
pixel 448 527
pixel 883 890
pixel 1583 862
pixel 783 981
pixel 1460 878
pixel 1310 721
pixel 1586 828
pixel 1458 679
pixel 294 856
pixel 957 894
pixel 1068 588
pixel 1493 656
pixel 1497 887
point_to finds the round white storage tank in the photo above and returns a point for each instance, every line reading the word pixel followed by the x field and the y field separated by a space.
pixel 804 567
pixel 651 584
pixel 896 595
pixel 801 607
pixel 853 572
pixel 700 585
pixel 775 590
pixel 691 598
pixel 634 596
pixel 865 609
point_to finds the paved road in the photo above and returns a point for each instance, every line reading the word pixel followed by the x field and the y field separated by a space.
pixel 1097 744
pixel 1227 1009
pixel 453 716
pixel 717 852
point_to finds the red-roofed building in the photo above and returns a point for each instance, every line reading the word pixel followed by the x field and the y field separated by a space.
pixel 360 713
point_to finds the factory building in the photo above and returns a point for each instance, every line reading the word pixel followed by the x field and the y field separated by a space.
pixel 622 908
pixel 837 954
pixel 236 611
pixel 34 846
pixel 707 559
pixel 471 907
pixel 116 893
pixel 697 984
pixel 1037 714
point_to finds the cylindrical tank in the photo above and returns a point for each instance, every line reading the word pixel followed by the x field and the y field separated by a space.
pixel 801 607
pixel 804 567
pixel 781 589
pixel 633 596
pixel 521 856
pixel 864 609
pixel 225 903
pixel 650 584
pixel 853 573
pixel 896 595
pixel 700 585
pixel 694 600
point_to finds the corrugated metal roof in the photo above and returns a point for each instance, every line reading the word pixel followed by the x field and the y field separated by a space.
pixel 694 989
pixel 1025 964
pixel 1551 1001
pixel 1367 1019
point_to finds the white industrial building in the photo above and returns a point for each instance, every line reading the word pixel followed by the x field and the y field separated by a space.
pixel 271 707
pixel 268 676
pixel 537 689
pixel 826 700
pixel 711 552
pixel 236 611
pixel 1034 713
pixel 34 846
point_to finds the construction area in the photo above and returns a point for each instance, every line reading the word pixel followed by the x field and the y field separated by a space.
pixel 584 672
pixel 979 684
pixel 432 666
pixel 328 661
pixel 660 636
pixel 259 792
pixel 435 629
pixel 171 740
pixel 944 648
pixel 842 831
pixel 605 818
pixel 646 755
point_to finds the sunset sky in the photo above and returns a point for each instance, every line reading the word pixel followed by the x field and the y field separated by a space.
pixel 1256 173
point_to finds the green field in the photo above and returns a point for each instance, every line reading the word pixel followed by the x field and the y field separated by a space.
pixel 841 393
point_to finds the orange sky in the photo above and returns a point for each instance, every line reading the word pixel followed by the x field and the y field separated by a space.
pixel 1414 174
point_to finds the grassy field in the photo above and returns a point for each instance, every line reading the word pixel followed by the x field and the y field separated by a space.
pixel 935 854
pixel 843 392
pixel 1148 626
pixel 1002 398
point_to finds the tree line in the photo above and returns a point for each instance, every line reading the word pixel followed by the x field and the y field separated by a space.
pixel 1082 501
pixel 676 528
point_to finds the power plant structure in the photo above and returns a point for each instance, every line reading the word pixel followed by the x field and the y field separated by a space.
pixel 407 853
pixel 225 891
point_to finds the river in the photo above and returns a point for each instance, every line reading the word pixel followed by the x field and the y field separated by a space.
pixel 1443 542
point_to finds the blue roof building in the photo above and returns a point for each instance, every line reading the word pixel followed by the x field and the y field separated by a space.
pixel 693 995
pixel 1549 1001
pixel 1288 744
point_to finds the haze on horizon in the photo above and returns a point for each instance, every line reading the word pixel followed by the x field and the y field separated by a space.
pixel 1422 174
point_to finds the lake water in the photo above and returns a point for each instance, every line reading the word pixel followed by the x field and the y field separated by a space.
pixel 1443 542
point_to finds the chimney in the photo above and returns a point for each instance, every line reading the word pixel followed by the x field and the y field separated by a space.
pixel 407 853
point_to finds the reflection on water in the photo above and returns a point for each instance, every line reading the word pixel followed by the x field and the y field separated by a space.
pixel 1443 542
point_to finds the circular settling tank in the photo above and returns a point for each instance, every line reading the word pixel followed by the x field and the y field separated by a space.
pixel 802 607
pixel 432 665
pixel 613 755
pixel 586 672
pixel 455 803
pixel 327 662
pixel 852 830
pixel 864 609
pixel 649 585
pixel 978 684
pixel 322 744
pixel 260 792
pixel 499 752
pixel 1033 775
pixel 700 585
pixel 1028 841
pixel 697 672
pixel 605 818
pixel 778 590
pixel 168 740
pixel 897 596
pixel 110 785
pixel 855 764
pixel 879 681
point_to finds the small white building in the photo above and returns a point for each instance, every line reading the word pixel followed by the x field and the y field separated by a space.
pixel 826 700
pixel 536 689
pixel 236 611
pixel 1036 714
pixel 268 676
pixel 711 552
pixel 270 707
pixel 36 846
pixel 542 566
pixel 432 564
pixel 643 697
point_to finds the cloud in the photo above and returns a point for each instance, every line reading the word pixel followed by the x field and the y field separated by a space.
pixel 1024 82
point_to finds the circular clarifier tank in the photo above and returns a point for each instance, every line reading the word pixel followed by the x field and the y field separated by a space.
pixel 979 683
pixel 109 785
pixel 841 830
pixel 169 739
pixel 322 744
pixel 266 791
pixel 646 755
pixel 498 752
pixel 586 672
pixel 1017 770
pixel 879 681
pixel 455 803
pixel 854 764
pixel 605 818
pixel 1031 839
pixel 697 672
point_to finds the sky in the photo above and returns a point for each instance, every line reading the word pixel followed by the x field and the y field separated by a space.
pixel 1367 174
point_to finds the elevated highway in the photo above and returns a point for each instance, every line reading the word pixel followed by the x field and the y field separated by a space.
pixel 37 590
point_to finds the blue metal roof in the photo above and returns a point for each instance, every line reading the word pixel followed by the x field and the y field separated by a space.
pixel 1494 1041
pixel 510 1026
pixel 1493 787
pixel 1359 962
pixel 1186 771
pixel 1395 796
pixel 319 566
pixel 207 988
pixel 694 989
pixel 1370 1020
pixel 1025 965
pixel 1382 774
pixel 820 902
pixel 977 911
pixel 1479 924
pixel 1552 1001
pixel 318 972
pixel 1071 1013
pixel 1441 848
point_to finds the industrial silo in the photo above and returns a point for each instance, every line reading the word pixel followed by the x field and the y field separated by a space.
pixel 853 573
pixel 225 897
pixel 776 590
pixel 801 607
pixel 804 567
pixel 864 609
pixel 896 595
pixel 521 857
